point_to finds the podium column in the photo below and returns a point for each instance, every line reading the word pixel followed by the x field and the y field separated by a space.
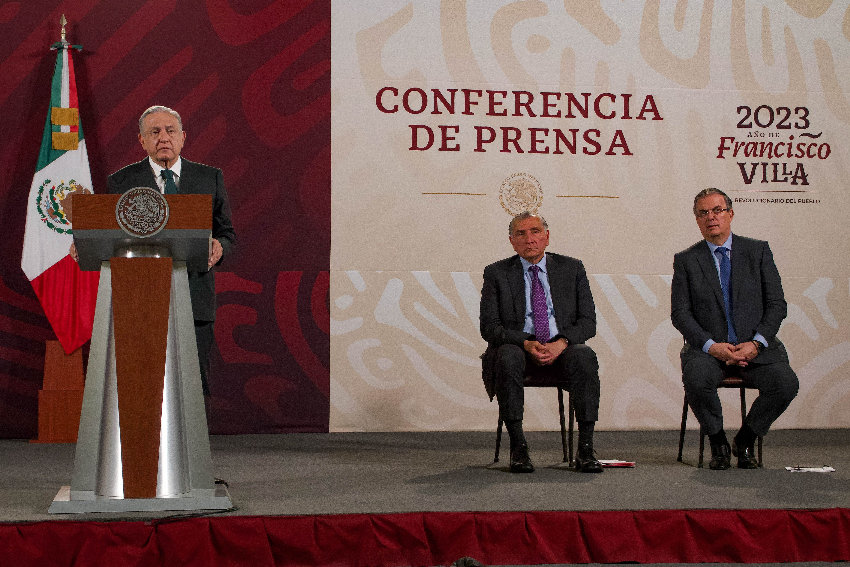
pixel 141 288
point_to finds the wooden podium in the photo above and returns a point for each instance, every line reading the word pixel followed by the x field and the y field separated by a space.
pixel 143 442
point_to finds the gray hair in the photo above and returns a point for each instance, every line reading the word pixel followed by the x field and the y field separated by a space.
pixel 158 108
pixel 525 215
pixel 712 191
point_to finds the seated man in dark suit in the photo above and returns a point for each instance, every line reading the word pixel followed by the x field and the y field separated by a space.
pixel 536 313
pixel 727 302
pixel 162 136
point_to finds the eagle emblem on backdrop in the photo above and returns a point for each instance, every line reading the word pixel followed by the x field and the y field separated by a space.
pixel 53 203
pixel 520 192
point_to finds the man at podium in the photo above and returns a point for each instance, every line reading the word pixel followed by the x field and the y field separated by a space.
pixel 162 137
pixel 143 441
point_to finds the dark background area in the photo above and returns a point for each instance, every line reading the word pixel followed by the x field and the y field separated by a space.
pixel 251 80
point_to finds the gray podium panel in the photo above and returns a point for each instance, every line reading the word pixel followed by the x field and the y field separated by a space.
pixel 184 477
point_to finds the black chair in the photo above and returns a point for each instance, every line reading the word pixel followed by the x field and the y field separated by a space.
pixel 548 380
pixel 735 378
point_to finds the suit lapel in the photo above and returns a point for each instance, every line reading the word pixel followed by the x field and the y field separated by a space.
pixel 555 273
pixel 185 177
pixel 709 270
pixel 739 251
pixel 145 176
pixel 558 274
pixel 516 281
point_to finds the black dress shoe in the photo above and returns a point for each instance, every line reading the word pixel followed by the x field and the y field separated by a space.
pixel 720 458
pixel 746 458
pixel 586 460
pixel 520 461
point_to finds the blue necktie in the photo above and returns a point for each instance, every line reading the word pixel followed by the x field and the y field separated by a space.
pixel 539 311
pixel 170 186
pixel 726 286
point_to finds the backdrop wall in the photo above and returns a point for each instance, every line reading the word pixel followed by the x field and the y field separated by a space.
pixel 607 118
pixel 374 151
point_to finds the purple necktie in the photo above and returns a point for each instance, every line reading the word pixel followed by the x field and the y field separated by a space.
pixel 539 311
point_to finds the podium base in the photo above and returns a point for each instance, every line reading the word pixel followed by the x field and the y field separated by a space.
pixel 212 499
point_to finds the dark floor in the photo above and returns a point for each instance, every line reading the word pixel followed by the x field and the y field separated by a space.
pixel 452 471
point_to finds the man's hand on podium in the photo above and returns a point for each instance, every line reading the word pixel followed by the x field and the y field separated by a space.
pixel 215 252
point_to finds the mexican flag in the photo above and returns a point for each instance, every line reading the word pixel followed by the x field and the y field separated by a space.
pixel 66 293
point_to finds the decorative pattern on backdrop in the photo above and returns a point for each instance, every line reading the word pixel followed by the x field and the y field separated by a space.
pixel 406 345
pixel 253 87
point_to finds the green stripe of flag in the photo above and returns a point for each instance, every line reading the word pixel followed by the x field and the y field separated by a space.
pixel 46 153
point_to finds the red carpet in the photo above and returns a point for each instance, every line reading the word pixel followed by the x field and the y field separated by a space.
pixel 437 538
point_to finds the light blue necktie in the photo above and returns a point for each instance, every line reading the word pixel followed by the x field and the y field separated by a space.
pixel 726 286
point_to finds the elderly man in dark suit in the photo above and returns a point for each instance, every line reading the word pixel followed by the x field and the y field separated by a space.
pixel 727 302
pixel 536 314
pixel 162 136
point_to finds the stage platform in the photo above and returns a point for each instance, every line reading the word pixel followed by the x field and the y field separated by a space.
pixel 440 494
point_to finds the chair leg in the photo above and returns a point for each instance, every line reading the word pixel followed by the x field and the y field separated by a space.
pixel 682 429
pixel 701 448
pixel 743 419
pixel 743 406
pixel 571 461
pixel 498 441
pixel 563 424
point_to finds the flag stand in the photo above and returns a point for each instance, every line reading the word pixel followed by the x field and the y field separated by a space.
pixel 61 398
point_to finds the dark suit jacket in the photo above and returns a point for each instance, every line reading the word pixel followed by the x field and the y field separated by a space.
pixel 758 303
pixel 194 178
pixel 502 313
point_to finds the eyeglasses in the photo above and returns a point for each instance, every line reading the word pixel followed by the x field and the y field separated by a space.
pixel 702 213
pixel 525 235
pixel 155 132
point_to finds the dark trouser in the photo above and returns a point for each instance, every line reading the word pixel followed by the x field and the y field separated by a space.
pixel 204 337
pixel 577 365
pixel 776 382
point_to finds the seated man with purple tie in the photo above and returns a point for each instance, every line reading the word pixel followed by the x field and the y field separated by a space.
pixel 728 303
pixel 162 136
pixel 536 314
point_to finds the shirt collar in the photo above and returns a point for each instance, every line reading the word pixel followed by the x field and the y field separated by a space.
pixel 727 244
pixel 526 264
pixel 158 168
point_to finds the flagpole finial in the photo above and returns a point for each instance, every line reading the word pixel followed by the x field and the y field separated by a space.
pixel 63 41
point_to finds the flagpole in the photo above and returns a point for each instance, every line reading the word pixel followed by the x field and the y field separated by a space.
pixel 67 295
pixel 61 396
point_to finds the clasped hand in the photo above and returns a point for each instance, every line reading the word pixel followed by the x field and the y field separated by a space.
pixel 734 355
pixel 544 354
